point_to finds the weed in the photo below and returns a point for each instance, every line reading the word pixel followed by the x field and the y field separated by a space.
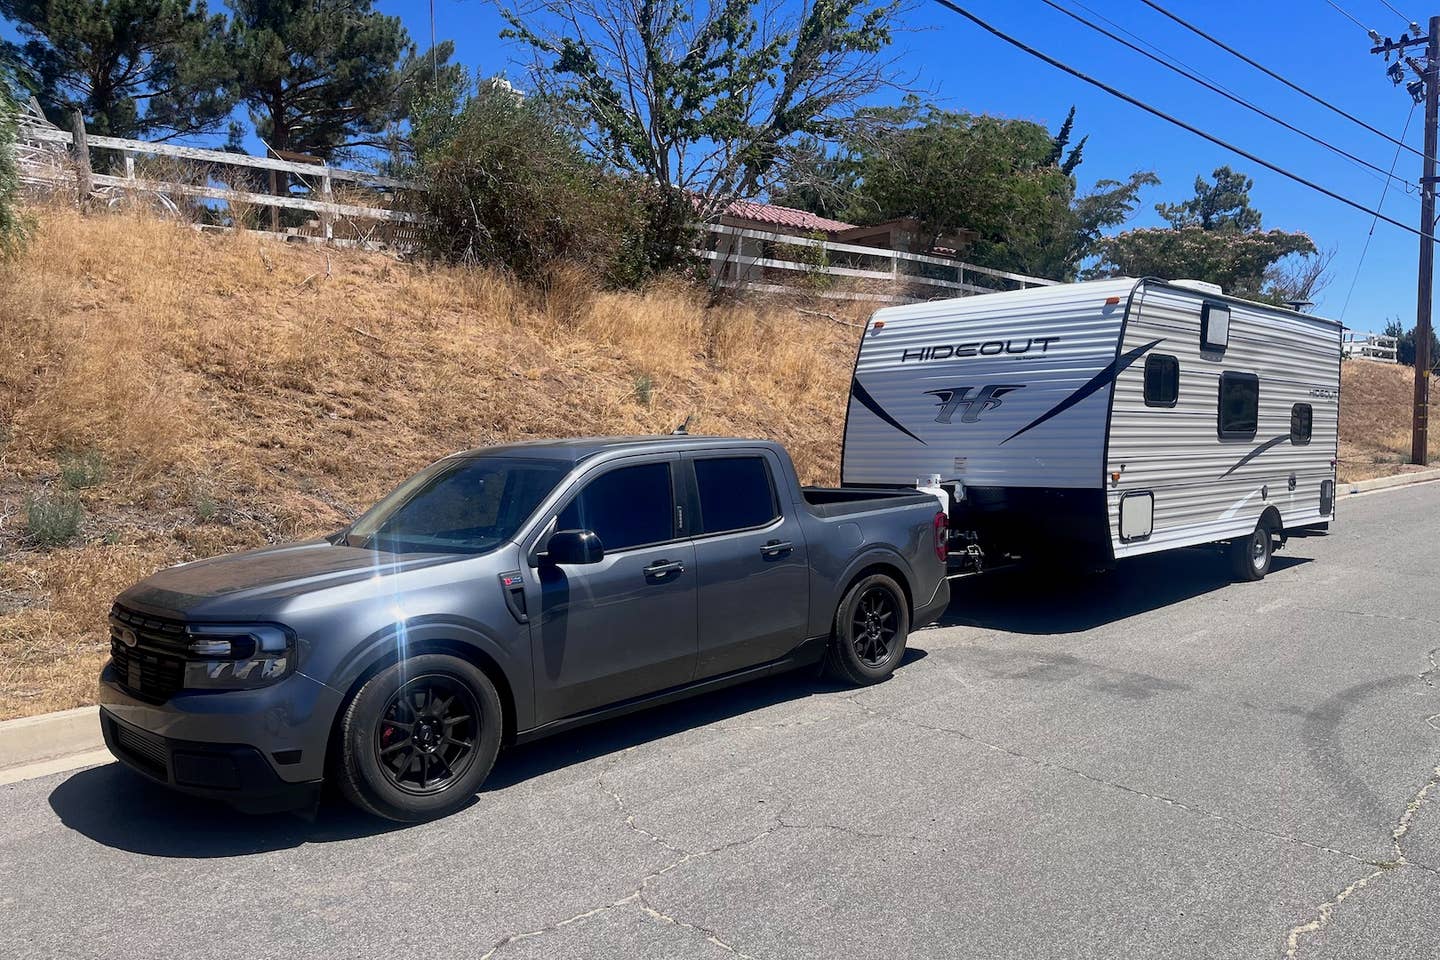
pixel 53 521
pixel 643 386
pixel 79 469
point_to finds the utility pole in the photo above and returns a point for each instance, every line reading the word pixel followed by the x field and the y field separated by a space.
pixel 1427 86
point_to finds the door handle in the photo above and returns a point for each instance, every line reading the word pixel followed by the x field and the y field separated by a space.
pixel 663 568
pixel 774 548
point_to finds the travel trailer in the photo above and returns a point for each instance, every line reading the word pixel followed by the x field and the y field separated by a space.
pixel 1083 423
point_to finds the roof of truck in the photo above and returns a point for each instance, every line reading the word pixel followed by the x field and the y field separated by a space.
pixel 576 449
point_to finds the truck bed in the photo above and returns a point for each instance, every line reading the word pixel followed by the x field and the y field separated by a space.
pixel 842 501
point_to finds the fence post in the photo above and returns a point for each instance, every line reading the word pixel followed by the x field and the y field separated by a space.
pixel 327 218
pixel 130 176
pixel 274 210
pixel 84 182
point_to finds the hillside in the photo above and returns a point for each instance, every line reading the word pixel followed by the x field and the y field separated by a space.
pixel 197 394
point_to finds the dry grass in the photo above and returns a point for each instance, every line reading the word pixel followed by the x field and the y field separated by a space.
pixel 242 392
pixel 1376 400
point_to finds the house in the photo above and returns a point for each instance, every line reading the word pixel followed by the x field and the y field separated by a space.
pixel 741 258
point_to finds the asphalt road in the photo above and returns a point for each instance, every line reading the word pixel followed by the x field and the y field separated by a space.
pixel 1153 763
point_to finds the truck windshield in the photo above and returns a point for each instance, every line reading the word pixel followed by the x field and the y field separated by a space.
pixel 459 505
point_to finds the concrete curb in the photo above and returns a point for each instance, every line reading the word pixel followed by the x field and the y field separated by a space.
pixel 29 740
pixel 1385 483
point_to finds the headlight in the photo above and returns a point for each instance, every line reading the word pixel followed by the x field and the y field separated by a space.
pixel 237 656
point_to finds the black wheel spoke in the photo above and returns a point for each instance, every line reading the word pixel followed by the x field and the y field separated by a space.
pixel 434 745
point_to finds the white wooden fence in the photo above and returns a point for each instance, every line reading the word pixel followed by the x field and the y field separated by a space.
pixel 757 259
pixel 740 258
pixel 48 160
pixel 1370 346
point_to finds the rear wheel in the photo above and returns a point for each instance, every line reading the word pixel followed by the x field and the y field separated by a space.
pixel 872 623
pixel 1250 556
pixel 420 738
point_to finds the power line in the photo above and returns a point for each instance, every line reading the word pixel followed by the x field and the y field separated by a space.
pixel 1347 15
pixel 1273 75
pixel 1380 206
pixel 1189 74
pixel 1155 111
pixel 1408 21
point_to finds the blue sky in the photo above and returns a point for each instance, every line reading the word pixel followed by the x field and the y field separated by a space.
pixel 1305 40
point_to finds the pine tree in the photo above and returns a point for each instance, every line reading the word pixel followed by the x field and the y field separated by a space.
pixel 317 75
pixel 150 69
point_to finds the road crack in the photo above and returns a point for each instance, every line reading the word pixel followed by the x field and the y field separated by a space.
pixel 636 897
pixel 1190 808
pixel 629 821
pixel 1326 911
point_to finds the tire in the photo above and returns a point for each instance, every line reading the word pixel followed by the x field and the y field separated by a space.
pixel 455 725
pixel 1250 556
pixel 867 639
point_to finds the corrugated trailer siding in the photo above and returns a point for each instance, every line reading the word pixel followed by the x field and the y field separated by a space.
pixel 1202 491
pixel 1065 451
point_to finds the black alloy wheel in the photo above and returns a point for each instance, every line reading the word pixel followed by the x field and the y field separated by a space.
pixel 425 737
pixel 875 624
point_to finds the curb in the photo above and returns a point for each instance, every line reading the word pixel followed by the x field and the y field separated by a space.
pixel 1385 483
pixel 49 736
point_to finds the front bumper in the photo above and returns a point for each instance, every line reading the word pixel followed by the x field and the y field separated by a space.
pixel 256 749
pixel 233 772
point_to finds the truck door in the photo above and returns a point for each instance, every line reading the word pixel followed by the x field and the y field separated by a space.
pixel 625 626
pixel 750 555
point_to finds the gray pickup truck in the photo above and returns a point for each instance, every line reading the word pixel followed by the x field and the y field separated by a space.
pixel 501 595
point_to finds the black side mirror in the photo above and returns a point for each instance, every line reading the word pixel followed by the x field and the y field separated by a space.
pixel 574 546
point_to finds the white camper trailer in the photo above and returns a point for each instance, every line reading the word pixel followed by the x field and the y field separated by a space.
pixel 1087 422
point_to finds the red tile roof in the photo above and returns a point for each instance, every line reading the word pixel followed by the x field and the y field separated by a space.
pixel 779 216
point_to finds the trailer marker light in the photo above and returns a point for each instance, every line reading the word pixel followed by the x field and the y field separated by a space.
pixel 1111 301
pixel 878 325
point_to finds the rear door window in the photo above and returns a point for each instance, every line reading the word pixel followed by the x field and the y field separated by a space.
pixel 628 507
pixel 1162 380
pixel 735 493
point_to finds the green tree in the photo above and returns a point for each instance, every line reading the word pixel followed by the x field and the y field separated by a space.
pixel 1216 235
pixel 1218 205
pixel 1405 344
pixel 705 101
pixel 318 76
pixel 135 68
pixel 1009 183
pixel 12 223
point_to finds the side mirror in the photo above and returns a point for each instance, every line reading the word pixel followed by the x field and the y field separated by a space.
pixel 574 546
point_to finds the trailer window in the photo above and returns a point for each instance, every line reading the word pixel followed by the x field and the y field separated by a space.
pixel 1239 406
pixel 1162 380
pixel 1302 418
pixel 735 493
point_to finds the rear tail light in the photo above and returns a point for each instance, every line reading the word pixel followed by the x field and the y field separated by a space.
pixel 942 536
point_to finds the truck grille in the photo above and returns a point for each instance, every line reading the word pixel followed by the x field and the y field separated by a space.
pixel 152 667
pixel 145 750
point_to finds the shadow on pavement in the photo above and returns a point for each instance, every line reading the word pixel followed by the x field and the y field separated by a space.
pixel 119 808
pixel 1050 601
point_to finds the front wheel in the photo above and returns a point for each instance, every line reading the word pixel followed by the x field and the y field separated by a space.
pixel 420 738
pixel 867 641
pixel 1250 556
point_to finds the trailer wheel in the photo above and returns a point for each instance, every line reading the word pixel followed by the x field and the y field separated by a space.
pixel 867 641
pixel 1250 556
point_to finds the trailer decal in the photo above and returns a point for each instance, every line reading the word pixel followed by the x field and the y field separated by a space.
pixel 1268 444
pixel 870 403
pixel 1102 379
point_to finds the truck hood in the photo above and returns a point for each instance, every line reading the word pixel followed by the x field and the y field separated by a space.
pixel 270 574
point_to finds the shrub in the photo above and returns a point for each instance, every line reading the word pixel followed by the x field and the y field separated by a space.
pixel 82 469
pixel 53 521
pixel 506 182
